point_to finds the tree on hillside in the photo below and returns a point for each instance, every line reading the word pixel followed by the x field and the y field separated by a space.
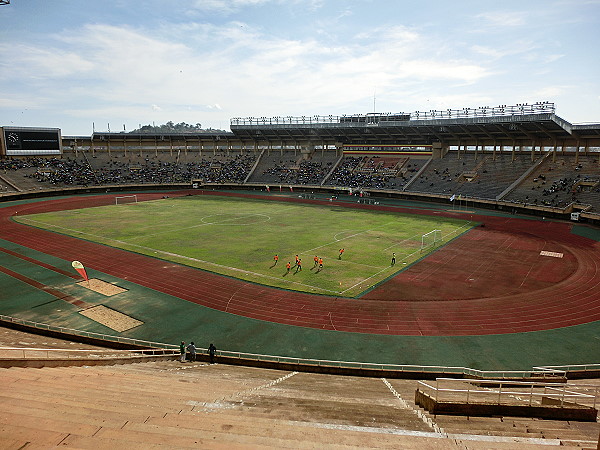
pixel 171 127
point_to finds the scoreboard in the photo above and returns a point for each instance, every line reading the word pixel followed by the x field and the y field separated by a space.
pixel 21 141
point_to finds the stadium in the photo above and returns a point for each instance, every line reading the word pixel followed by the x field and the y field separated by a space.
pixel 455 243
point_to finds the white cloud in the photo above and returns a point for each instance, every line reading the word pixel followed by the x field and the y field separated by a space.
pixel 503 18
pixel 225 6
pixel 218 72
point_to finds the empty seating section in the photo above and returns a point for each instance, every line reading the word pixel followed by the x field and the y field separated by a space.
pixel 482 177
pixel 375 172
pixel 561 182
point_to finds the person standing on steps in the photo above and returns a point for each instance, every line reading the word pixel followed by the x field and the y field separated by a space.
pixel 211 352
pixel 182 351
pixel 192 350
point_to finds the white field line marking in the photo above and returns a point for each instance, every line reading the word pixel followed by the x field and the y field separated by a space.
pixel 385 268
pixel 400 242
pixel 418 412
pixel 203 224
pixel 335 236
pixel 189 258
pixel 375 274
pixel 310 251
pixel 417 236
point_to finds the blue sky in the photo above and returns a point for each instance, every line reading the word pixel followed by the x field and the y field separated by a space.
pixel 72 63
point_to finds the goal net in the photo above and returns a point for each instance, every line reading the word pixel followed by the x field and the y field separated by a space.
pixel 431 239
pixel 125 199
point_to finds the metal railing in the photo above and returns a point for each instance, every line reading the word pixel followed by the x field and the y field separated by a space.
pixel 58 353
pixel 509 392
pixel 88 334
pixel 375 118
pixel 546 372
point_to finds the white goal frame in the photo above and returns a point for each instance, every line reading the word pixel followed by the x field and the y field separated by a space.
pixel 430 239
pixel 126 196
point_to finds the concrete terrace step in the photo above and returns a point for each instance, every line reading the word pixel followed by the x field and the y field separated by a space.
pixel 28 434
pixel 110 388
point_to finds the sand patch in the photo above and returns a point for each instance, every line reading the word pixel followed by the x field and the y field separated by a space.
pixel 553 254
pixel 111 318
pixel 102 287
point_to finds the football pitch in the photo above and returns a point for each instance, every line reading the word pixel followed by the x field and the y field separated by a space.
pixel 240 237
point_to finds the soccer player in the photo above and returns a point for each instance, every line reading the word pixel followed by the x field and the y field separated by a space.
pixel 288 266
pixel 320 264
pixel 393 259
pixel 275 260
pixel 298 265
pixel 316 260
pixel 297 259
pixel 341 253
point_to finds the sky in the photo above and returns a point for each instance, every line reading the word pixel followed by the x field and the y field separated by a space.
pixel 83 65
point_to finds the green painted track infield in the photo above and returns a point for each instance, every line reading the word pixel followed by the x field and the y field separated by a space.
pixel 170 319
pixel 239 238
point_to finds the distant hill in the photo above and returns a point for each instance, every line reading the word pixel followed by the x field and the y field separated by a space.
pixel 171 127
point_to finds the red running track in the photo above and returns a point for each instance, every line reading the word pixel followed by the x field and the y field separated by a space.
pixel 491 280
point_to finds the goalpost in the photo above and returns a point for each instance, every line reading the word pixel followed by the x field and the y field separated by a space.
pixel 430 239
pixel 125 199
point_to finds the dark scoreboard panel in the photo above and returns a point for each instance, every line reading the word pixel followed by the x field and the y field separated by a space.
pixel 31 141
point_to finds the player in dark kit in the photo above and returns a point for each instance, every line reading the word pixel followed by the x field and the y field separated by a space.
pixel 393 259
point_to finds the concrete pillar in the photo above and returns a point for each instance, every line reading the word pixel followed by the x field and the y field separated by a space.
pixel 437 150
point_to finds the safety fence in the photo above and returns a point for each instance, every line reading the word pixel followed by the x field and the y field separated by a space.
pixel 510 392
pixel 557 373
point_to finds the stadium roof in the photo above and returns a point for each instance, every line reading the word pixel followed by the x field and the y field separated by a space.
pixel 532 127
pixel 520 123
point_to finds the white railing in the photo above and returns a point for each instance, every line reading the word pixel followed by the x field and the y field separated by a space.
pixel 548 372
pixel 375 118
pixel 88 334
pixel 509 392
pixel 58 353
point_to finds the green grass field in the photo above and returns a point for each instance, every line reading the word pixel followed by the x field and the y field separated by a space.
pixel 239 237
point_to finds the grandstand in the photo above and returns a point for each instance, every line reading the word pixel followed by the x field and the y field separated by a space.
pixel 518 166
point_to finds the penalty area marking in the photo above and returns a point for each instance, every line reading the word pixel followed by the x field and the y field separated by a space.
pixel 553 254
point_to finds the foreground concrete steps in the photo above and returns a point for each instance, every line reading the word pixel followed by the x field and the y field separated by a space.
pixel 171 405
